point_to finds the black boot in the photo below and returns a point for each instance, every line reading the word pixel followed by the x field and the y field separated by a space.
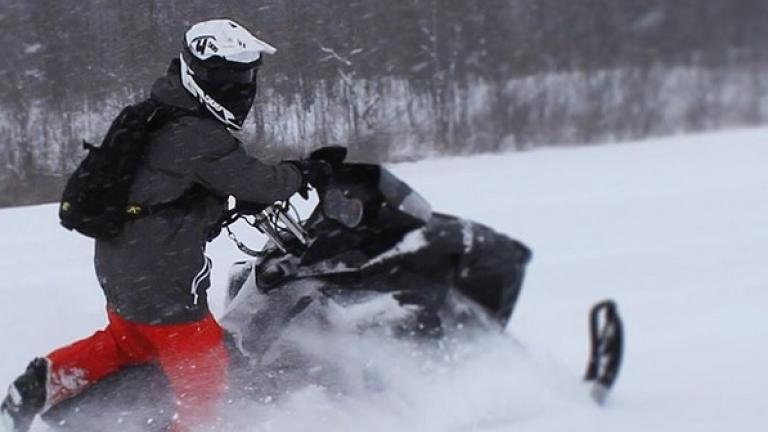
pixel 26 397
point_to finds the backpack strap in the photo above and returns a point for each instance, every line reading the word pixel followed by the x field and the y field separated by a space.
pixel 191 196
pixel 162 115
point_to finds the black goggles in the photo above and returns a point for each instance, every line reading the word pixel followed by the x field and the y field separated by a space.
pixel 225 75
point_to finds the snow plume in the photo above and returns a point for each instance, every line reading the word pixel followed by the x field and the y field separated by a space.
pixel 395 385
pixel 339 367
pixel 62 384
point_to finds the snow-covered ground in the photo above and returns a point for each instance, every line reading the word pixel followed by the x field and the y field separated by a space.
pixel 675 230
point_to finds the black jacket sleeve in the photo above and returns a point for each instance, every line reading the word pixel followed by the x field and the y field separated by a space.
pixel 224 168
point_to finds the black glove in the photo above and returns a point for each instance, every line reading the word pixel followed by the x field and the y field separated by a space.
pixel 316 173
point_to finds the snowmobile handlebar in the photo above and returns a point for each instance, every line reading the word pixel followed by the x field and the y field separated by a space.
pixel 357 200
pixel 272 219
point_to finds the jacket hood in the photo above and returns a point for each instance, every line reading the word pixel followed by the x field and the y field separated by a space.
pixel 169 90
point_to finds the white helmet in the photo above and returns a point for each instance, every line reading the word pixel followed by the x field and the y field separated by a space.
pixel 219 65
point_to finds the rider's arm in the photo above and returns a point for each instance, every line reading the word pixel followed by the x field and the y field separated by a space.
pixel 224 167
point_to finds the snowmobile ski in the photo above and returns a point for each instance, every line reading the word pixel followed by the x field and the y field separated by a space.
pixel 607 345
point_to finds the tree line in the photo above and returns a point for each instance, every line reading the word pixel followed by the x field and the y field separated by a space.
pixel 391 80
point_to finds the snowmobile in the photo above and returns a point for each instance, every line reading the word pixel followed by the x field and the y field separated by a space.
pixel 371 258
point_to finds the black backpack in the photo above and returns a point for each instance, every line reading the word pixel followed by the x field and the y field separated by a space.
pixel 95 199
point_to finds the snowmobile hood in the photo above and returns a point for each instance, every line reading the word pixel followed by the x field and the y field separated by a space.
pixel 169 90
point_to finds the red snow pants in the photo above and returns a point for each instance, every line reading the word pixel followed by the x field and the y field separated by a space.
pixel 192 355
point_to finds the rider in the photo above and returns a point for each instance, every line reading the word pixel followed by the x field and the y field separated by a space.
pixel 155 274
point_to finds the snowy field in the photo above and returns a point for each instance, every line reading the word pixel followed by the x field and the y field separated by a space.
pixel 675 230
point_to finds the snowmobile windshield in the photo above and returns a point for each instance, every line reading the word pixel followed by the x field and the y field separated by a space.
pixel 370 195
pixel 402 199
pixel 366 208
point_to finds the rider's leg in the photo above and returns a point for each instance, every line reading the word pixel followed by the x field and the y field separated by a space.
pixel 85 362
pixel 67 371
pixel 196 362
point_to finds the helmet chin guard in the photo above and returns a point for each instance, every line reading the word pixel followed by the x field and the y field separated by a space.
pixel 222 114
pixel 219 62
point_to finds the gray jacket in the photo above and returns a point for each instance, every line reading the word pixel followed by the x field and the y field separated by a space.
pixel 156 272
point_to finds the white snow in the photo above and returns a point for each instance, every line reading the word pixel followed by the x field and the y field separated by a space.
pixel 411 243
pixel 676 230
